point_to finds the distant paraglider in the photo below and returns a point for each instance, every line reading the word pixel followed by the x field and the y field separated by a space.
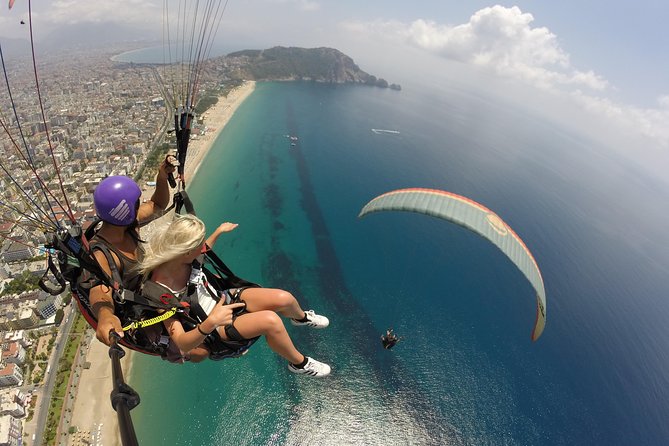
pixel 475 217
pixel 390 339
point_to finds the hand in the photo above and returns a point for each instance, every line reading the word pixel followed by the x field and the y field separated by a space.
pixel 221 315
pixel 107 322
pixel 226 227
pixel 168 166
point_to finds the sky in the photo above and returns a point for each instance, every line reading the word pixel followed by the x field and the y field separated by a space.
pixel 605 58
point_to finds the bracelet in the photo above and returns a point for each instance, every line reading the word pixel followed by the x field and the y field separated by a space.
pixel 99 305
pixel 202 332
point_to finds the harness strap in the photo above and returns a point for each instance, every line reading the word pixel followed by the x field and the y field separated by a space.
pixel 116 279
pixel 73 254
pixel 182 126
pixel 194 280
pixel 179 201
pixel 156 295
pixel 51 268
pixel 234 346
pixel 149 301
pixel 230 279
pixel 182 200
pixel 154 320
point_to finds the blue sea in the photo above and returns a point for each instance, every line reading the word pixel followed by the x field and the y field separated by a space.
pixel 466 372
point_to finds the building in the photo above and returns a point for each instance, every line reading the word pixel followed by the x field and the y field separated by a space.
pixel 24 318
pixel 10 375
pixel 13 403
pixel 16 252
pixel 17 336
pixel 48 305
pixel 6 228
pixel 37 268
pixel 11 430
pixel 13 352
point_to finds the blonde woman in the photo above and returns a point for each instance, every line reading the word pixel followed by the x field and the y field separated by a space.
pixel 237 315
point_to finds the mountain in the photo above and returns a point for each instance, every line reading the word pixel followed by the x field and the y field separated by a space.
pixel 315 64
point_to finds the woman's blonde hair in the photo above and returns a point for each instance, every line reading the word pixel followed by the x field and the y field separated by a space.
pixel 183 234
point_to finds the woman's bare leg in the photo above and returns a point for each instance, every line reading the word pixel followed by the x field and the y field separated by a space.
pixel 198 354
pixel 267 323
pixel 273 299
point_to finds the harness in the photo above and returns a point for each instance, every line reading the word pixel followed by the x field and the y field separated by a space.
pixel 219 348
pixel 70 260
pixel 143 309
pixel 140 315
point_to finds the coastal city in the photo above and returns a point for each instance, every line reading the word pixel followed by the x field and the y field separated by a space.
pixel 88 115
pixel 412 223
pixel 99 118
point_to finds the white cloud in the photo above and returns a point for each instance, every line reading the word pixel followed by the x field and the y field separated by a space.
pixel 502 41
pixel 145 14
pixel 664 101
pixel 649 122
pixel 496 38
pixel 69 12
pixel 304 5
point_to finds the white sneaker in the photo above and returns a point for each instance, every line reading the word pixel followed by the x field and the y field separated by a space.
pixel 313 320
pixel 312 368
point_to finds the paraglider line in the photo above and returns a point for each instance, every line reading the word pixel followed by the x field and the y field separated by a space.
pixel 13 208
pixel 43 187
pixel 41 106
pixel 29 162
pixel 6 237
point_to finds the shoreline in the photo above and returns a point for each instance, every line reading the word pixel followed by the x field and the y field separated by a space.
pixel 218 116
pixel 92 411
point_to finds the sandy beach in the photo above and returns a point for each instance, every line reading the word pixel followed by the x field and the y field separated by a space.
pixel 93 415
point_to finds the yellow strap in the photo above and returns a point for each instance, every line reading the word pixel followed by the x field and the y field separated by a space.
pixel 154 320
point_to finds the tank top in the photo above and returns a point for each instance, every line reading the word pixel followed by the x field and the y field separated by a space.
pixel 131 278
pixel 204 294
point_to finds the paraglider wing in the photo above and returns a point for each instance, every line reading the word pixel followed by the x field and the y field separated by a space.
pixel 11 3
pixel 475 217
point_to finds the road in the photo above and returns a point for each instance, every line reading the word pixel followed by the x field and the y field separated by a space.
pixel 44 397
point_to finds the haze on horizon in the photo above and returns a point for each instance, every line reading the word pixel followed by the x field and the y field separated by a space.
pixel 604 61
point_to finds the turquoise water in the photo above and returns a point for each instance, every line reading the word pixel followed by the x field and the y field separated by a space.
pixel 466 372
pixel 160 55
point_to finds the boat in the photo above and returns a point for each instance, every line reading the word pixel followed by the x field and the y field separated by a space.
pixel 379 131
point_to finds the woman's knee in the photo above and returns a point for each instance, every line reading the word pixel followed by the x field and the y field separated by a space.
pixel 260 322
pixel 198 354
pixel 284 298
pixel 271 320
pixel 258 299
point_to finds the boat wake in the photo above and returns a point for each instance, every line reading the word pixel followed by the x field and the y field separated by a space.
pixel 379 131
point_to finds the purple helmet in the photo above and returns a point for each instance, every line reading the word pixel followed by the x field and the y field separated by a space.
pixel 116 199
